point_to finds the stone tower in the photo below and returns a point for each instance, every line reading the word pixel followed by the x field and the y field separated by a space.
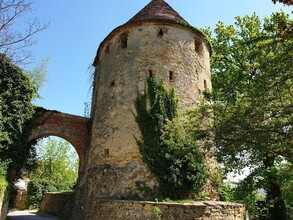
pixel 156 42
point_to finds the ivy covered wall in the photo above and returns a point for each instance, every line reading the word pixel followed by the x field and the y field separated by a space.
pixel 170 151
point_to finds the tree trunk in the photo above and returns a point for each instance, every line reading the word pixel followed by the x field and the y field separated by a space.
pixel 278 210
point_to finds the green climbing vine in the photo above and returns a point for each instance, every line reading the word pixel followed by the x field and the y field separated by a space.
pixel 17 92
pixel 171 154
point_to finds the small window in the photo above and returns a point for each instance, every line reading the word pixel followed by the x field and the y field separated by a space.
pixel 198 45
pixel 107 49
pixel 205 84
pixel 106 152
pixel 151 75
pixel 171 76
pixel 112 83
pixel 162 32
pixel 123 40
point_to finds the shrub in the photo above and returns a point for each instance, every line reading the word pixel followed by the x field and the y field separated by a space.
pixel 16 109
pixel 36 190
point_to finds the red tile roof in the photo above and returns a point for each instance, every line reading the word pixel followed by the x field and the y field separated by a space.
pixel 158 10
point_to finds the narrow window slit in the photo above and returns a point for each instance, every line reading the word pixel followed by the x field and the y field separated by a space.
pixel 107 49
pixel 205 84
pixel 151 75
pixel 106 152
pixel 123 40
pixel 198 45
pixel 171 76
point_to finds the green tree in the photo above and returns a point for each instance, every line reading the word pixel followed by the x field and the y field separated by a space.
pixel 16 95
pixel 252 100
pixel 285 174
pixel 17 92
pixel 38 75
pixel 56 170
pixel 56 163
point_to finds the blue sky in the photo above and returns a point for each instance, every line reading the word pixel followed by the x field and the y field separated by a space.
pixel 77 28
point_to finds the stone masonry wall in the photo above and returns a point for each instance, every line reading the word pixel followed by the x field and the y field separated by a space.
pixel 59 204
pixel 114 166
pixel 128 210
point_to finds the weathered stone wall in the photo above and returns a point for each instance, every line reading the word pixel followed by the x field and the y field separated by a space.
pixel 114 166
pixel 59 204
pixel 129 210
pixel 157 48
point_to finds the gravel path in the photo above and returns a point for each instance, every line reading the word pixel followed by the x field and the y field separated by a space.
pixel 29 215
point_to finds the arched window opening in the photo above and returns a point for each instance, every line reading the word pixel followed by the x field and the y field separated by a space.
pixel 162 32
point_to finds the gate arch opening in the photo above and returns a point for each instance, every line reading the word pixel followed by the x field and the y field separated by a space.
pixel 57 162
pixel 72 128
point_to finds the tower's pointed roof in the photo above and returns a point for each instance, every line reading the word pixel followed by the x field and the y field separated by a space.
pixel 158 10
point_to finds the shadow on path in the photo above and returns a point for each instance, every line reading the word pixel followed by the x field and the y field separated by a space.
pixel 28 215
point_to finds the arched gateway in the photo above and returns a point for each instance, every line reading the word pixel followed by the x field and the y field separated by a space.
pixel 74 129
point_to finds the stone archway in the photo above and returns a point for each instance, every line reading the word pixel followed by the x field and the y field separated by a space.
pixel 74 129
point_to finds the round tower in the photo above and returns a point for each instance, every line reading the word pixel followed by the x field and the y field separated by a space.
pixel 156 42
